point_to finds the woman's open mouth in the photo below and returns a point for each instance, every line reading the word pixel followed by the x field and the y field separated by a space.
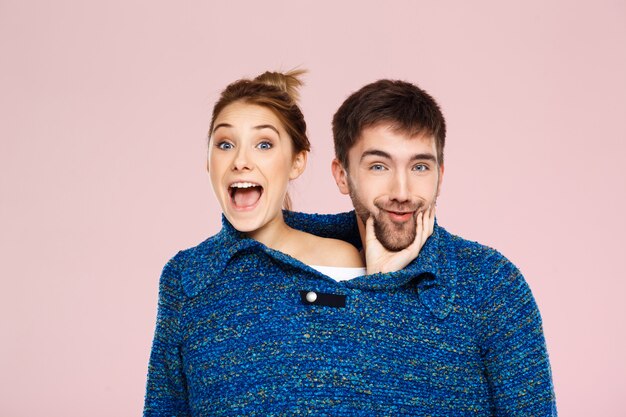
pixel 244 195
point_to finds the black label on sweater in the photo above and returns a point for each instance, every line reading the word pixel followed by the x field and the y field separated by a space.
pixel 323 299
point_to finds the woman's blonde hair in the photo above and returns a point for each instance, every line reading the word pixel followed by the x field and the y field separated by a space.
pixel 279 93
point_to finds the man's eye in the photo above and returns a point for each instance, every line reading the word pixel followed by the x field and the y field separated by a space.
pixel 224 145
pixel 420 167
pixel 264 145
pixel 377 167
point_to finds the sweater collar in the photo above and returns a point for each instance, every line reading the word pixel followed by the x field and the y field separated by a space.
pixel 434 284
pixel 211 257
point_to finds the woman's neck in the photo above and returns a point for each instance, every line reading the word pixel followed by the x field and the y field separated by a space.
pixel 275 234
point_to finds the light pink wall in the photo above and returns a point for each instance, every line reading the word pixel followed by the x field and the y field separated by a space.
pixel 104 108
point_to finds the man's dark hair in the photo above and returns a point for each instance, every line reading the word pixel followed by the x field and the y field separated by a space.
pixel 404 106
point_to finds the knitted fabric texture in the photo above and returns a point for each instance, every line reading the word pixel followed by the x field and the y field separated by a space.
pixel 455 333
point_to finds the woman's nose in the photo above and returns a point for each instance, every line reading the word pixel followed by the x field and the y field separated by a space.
pixel 242 160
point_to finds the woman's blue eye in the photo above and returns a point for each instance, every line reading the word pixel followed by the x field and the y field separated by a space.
pixel 264 145
pixel 224 145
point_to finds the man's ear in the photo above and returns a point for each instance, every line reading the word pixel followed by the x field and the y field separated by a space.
pixel 298 165
pixel 341 176
pixel 440 180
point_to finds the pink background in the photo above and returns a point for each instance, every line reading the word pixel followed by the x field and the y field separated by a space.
pixel 104 109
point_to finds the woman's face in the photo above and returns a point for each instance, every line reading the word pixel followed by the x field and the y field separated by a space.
pixel 251 161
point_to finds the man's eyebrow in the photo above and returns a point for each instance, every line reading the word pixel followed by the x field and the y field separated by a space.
pixel 383 154
pixel 375 152
pixel 424 156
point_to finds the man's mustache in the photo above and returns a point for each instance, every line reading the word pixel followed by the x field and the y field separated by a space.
pixel 403 207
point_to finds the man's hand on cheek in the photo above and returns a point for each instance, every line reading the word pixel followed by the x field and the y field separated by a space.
pixel 380 259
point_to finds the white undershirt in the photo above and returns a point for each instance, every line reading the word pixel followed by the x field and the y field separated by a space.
pixel 339 273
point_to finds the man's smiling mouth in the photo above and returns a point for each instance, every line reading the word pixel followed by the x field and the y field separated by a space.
pixel 400 216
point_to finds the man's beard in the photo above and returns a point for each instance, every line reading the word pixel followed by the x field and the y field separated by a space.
pixel 393 236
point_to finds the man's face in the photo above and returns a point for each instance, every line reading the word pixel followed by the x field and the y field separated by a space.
pixel 391 177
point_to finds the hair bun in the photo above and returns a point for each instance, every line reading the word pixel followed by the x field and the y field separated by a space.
pixel 288 82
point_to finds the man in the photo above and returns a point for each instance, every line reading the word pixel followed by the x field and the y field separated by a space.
pixel 457 328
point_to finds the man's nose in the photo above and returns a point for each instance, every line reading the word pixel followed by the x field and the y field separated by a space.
pixel 399 188
pixel 242 160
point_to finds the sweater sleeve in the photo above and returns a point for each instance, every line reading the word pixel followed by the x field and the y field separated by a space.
pixel 166 392
pixel 337 226
pixel 513 346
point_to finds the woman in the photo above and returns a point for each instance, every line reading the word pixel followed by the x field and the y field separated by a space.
pixel 257 144
pixel 237 313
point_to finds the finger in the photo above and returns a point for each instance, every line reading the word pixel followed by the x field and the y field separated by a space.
pixel 426 218
pixel 369 229
pixel 425 226
pixel 416 245
pixel 431 219
pixel 420 229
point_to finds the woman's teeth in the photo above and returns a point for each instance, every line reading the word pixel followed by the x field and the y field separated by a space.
pixel 243 185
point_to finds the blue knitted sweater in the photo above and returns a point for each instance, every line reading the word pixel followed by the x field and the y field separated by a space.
pixel 456 333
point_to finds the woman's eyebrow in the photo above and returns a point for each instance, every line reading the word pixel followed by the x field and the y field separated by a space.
pixel 221 125
pixel 259 127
